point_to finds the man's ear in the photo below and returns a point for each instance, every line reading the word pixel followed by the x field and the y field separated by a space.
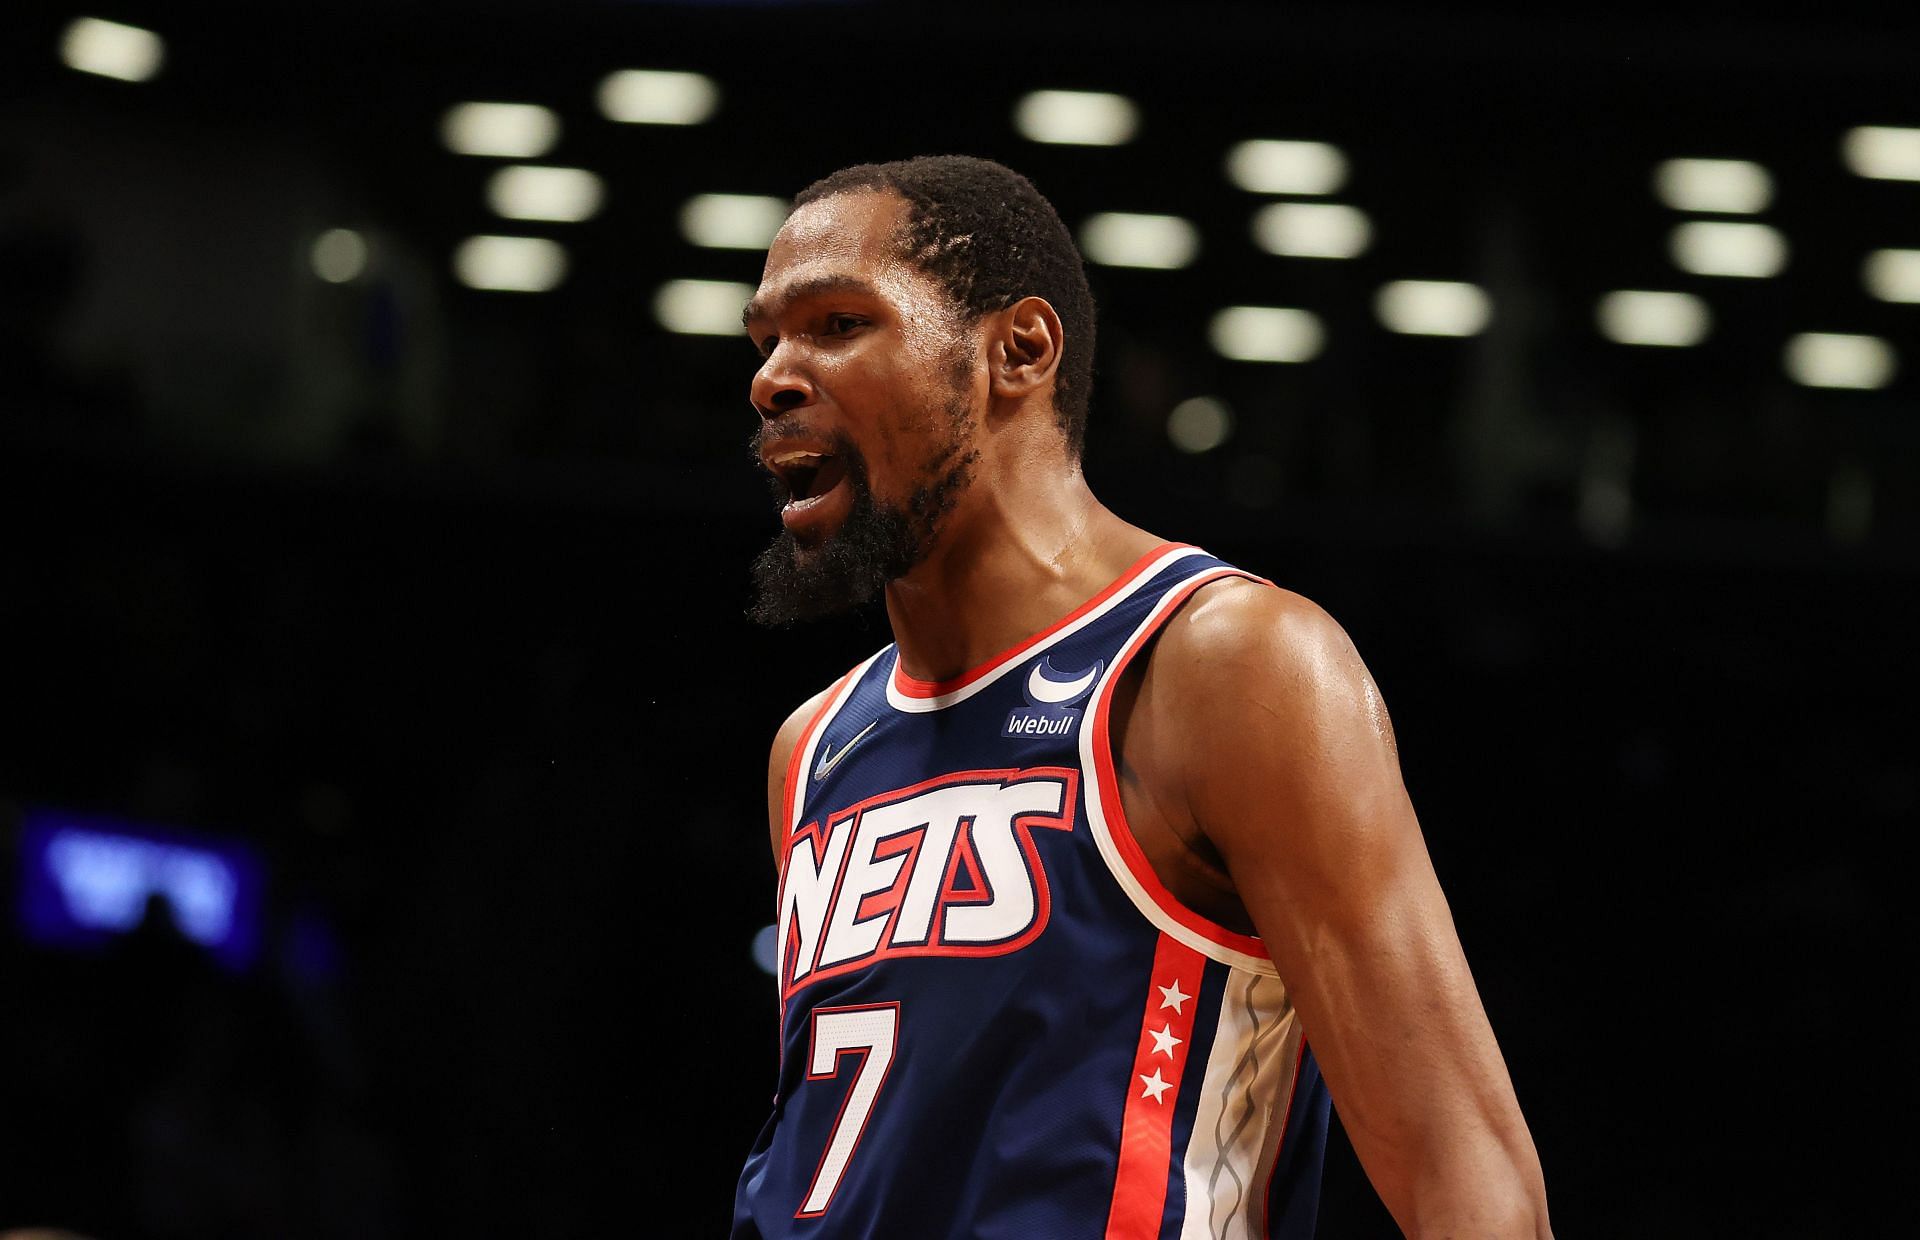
pixel 1025 351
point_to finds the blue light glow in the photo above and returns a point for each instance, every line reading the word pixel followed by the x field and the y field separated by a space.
pixel 85 880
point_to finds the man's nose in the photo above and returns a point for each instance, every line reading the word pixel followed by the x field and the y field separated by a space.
pixel 779 386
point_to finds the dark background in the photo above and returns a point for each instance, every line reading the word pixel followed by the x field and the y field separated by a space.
pixel 435 595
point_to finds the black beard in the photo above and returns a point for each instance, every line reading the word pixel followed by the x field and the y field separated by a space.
pixel 875 544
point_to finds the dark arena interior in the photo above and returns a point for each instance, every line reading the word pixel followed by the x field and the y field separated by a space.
pixel 383 846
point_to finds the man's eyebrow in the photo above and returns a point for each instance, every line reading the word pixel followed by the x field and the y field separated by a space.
pixel 813 286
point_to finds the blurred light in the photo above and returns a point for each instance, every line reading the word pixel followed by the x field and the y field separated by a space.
pixel 85 879
pixel 1883 153
pixel 1829 360
pixel 1849 504
pixel 1272 166
pixel 764 941
pixel 1433 308
pixel 1893 275
pixel 111 49
pixel 107 879
pixel 701 307
pixel 1605 510
pixel 1634 316
pixel 1076 117
pixel 531 192
pixel 339 255
pixel 1712 248
pixel 510 264
pixel 732 221
pixel 1200 424
pixel 1117 239
pixel 1266 334
pixel 1254 481
pixel 1725 186
pixel 1311 230
pixel 658 97
pixel 507 130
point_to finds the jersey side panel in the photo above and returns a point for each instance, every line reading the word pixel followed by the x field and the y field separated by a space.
pixel 1232 1152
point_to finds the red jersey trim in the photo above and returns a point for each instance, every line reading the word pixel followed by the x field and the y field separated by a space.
pixel 1109 782
pixel 914 687
pixel 1153 1091
pixel 790 797
pixel 797 760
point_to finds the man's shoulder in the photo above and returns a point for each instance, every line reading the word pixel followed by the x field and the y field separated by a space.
pixel 1247 659
pixel 795 725
pixel 780 761
pixel 1238 626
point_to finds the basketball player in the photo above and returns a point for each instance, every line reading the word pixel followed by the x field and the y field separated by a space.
pixel 1099 878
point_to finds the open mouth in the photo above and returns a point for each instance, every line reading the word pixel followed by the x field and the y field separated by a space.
pixel 808 476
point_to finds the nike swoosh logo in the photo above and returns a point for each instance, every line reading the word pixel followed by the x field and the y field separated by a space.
pixel 1040 689
pixel 824 767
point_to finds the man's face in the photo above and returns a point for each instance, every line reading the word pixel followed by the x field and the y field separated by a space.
pixel 867 406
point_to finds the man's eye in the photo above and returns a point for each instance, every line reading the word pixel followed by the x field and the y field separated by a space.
pixel 840 324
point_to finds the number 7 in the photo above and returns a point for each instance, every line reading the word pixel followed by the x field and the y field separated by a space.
pixel 871 1031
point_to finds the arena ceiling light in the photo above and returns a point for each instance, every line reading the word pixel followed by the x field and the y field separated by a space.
pixel 1893 275
pixel 535 192
pixel 1638 316
pixel 1120 239
pixel 1719 248
pixel 1831 360
pixel 339 255
pixel 658 97
pixel 1076 118
pixel 1277 166
pixel 1882 152
pixel 1433 308
pixel 1312 230
pixel 112 49
pixel 732 221
pixel 1200 424
pixel 1714 186
pixel 504 130
pixel 701 307
pixel 1266 334
pixel 510 264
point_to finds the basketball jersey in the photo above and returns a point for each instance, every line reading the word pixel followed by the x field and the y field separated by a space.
pixel 995 1019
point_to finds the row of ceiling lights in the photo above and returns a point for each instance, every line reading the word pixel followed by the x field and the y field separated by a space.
pixel 1303 229
pixel 1289 335
pixel 1291 229
pixel 1084 118
pixel 1266 166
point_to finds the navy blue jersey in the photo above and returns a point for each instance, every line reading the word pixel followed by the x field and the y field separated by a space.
pixel 995 1021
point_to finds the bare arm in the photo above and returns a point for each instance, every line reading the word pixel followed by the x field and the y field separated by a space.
pixel 1325 853
pixel 782 756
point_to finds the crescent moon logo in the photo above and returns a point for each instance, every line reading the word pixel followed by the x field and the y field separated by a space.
pixel 1046 686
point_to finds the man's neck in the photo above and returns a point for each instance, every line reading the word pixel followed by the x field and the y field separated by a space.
pixel 1020 553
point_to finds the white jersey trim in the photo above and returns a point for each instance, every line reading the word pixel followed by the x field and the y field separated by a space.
pixel 1097 811
pixel 1245 1097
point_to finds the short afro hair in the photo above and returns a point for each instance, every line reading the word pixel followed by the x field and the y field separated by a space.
pixel 983 231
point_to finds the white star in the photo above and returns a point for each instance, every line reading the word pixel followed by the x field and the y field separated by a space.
pixel 1170 996
pixel 1155 1086
pixel 1164 1041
